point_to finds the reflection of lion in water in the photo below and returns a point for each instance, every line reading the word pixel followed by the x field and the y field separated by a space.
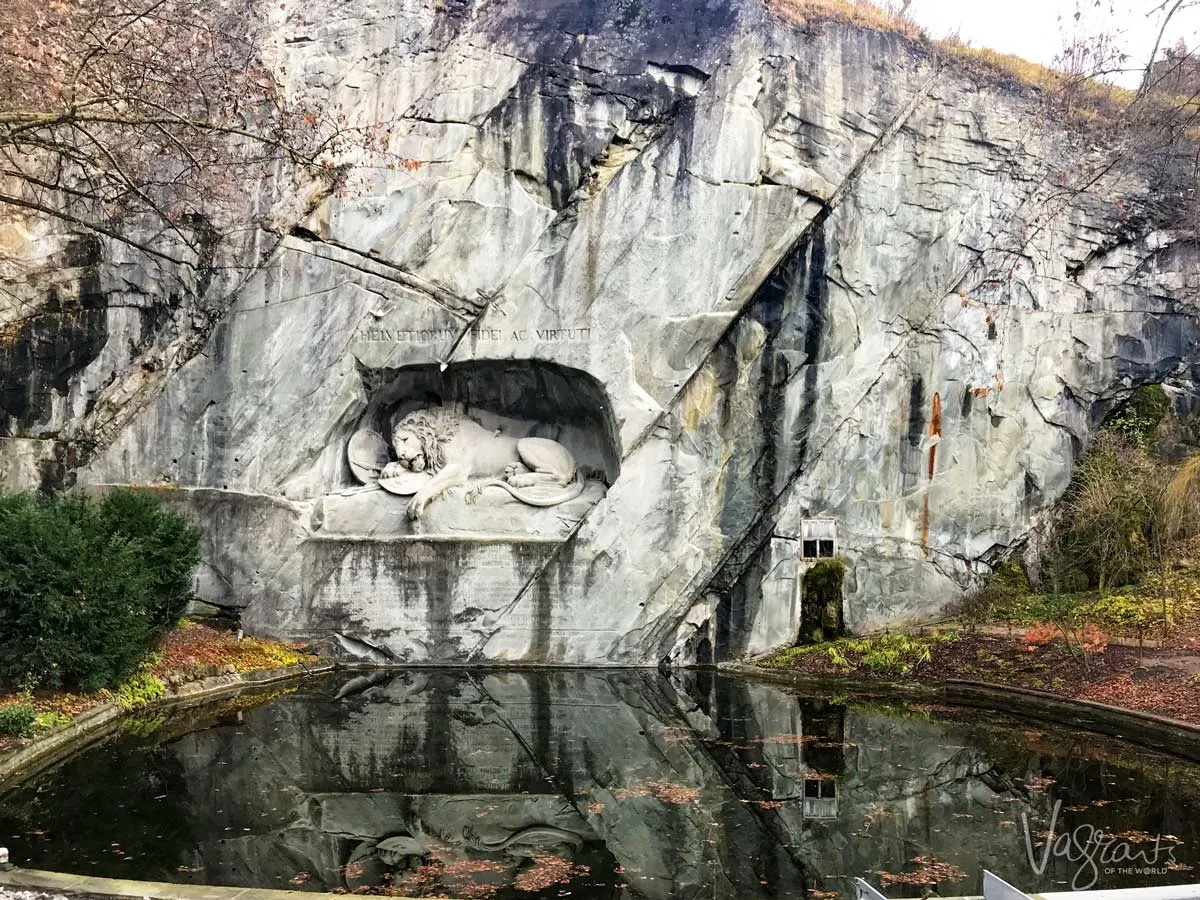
pixel 457 449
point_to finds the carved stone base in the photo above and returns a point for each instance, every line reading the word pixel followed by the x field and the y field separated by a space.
pixel 430 599
pixel 373 513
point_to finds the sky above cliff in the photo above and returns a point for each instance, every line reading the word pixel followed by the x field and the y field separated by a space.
pixel 1038 29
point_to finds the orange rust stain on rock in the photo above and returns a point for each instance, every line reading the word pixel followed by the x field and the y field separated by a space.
pixel 935 430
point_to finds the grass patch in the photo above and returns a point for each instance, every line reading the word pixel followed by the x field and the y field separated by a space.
pixel 1135 609
pixel 1086 97
pixel 860 13
pixel 21 719
pixel 48 721
pixel 190 652
pixel 139 690
pixel 888 654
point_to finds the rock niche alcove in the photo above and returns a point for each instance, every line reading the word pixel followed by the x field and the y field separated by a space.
pixel 457 486
pixel 498 449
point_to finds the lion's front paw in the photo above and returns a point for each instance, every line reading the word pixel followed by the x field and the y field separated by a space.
pixel 392 469
pixel 416 506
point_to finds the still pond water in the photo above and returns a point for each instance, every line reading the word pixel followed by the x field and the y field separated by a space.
pixel 604 785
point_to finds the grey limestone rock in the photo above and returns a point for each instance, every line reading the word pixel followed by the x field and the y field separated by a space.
pixel 749 274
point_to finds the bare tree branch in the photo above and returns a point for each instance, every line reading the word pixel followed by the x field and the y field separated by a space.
pixel 90 226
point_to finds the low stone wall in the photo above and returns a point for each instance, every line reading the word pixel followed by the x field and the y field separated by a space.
pixel 75 885
pixel 94 724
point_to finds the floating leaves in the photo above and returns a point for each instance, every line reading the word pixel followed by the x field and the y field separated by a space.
pixel 678 734
pixel 630 793
pixel 929 871
pixel 669 792
pixel 548 871
pixel 435 878
pixel 1144 837
pixel 666 791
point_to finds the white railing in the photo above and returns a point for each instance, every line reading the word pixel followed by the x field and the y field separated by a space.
pixel 996 888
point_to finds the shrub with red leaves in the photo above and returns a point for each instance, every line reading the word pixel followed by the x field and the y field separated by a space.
pixel 1040 634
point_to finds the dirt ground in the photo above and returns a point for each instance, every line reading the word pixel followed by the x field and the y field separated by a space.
pixel 1165 682
pixel 192 651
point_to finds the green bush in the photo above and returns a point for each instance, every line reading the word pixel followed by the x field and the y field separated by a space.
pixel 1000 597
pixel 1109 512
pixel 18 719
pixel 87 588
pixel 1138 417
pixel 822 606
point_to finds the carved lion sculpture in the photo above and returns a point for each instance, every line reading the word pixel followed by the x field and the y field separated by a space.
pixel 457 450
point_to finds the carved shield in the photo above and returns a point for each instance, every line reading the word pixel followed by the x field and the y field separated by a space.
pixel 406 483
pixel 367 454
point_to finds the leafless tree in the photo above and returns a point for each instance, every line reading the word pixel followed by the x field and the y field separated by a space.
pixel 151 122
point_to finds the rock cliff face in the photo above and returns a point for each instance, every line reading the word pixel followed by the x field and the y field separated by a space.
pixel 763 280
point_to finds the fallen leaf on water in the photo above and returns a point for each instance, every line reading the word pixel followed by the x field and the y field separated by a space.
pixel 547 871
pixel 929 871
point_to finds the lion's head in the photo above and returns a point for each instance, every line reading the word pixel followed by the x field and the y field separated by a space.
pixel 419 439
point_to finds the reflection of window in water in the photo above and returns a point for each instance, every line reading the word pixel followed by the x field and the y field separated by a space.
pixel 820 798
pixel 818 538
pixel 825 724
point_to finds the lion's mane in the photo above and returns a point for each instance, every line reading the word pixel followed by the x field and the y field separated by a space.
pixel 433 428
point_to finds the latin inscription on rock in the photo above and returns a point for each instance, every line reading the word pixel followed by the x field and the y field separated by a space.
pixel 376 335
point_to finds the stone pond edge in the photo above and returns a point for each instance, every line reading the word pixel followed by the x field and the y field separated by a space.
pixel 1155 732
pixel 1146 729
pixel 62 883
pixel 99 721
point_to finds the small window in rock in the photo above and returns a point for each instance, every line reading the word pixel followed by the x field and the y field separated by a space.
pixel 820 788
pixel 820 798
pixel 818 538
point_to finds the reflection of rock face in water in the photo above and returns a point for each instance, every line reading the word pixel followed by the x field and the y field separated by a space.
pixel 493 785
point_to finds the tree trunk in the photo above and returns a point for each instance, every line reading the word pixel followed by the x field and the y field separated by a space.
pixel 1162 592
